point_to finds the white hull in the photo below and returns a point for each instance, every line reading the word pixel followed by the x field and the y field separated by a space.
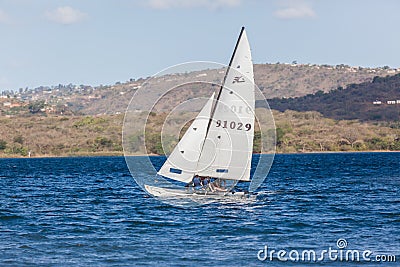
pixel 185 193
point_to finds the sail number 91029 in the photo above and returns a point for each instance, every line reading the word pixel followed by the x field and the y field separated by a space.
pixel 233 125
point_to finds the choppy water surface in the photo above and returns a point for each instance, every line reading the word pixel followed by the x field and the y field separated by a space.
pixel 89 211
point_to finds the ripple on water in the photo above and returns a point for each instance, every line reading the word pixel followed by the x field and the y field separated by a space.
pixel 89 211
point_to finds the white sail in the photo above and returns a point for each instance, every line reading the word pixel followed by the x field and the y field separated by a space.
pixel 182 163
pixel 227 150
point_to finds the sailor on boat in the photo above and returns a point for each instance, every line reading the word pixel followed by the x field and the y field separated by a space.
pixel 206 184
pixel 196 183
pixel 217 185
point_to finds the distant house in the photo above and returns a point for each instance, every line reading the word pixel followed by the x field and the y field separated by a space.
pixel 389 102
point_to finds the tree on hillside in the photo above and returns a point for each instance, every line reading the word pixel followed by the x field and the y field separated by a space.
pixel 351 136
pixel 35 107
pixel 19 139
pixel 3 144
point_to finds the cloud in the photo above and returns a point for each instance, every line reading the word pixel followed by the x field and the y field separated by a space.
pixel 65 15
pixel 295 10
pixel 4 18
pixel 208 4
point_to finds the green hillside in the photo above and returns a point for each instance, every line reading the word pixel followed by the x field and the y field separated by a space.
pixel 101 135
pixel 378 100
pixel 70 120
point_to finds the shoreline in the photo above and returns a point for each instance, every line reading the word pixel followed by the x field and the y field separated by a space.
pixel 93 155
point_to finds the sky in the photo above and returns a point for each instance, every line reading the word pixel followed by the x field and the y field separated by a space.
pixel 93 42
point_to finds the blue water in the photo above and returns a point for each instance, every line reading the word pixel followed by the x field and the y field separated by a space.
pixel 90 212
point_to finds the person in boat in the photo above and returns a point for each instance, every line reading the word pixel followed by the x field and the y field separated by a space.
pixel 205 181
pixel 197 184
pixel 217 185
pixel 207 185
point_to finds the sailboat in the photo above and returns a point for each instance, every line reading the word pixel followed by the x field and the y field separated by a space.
pixel 218 145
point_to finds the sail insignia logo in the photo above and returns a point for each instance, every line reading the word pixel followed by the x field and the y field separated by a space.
pixel 238 79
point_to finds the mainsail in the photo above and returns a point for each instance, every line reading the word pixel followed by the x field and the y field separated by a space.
pixel 222 144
